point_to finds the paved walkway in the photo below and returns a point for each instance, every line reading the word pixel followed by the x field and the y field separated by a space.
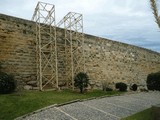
pixel 109 108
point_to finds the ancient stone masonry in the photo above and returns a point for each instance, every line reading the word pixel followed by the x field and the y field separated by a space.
pixel 105 60
pixel 17 48
pixel 113 61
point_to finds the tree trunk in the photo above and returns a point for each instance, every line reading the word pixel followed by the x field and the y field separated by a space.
pixel 81 89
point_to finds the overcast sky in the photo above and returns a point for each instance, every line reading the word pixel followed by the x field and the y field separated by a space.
pixel 128 21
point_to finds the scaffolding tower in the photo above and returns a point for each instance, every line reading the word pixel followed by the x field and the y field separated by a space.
pixel 74 42
pixel 46 48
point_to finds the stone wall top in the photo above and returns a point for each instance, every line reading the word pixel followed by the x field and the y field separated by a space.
pixel 94 39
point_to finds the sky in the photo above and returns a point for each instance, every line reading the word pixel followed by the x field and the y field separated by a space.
pixel 127 21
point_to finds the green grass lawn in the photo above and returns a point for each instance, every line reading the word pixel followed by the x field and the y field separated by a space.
pixel 143 115
pixel 20 103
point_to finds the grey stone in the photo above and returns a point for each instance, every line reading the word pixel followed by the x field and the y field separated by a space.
pixel 61 83
pixel 28 87
pixel 143 88
pixel 33 83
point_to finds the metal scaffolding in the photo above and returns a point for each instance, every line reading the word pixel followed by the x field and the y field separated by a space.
pixel 46 48
pixel 74 42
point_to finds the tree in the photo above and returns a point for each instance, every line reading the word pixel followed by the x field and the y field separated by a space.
pixel 134 87
pixel 153 81
pixel 81 81
pixel 155 11
pixel 121 86
pixel 7 82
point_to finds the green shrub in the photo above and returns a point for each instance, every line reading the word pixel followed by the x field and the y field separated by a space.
pixel 105 86
pixel 134 87
pixel 7 83
pixel 153 81
pixel 109 89
pixel 121 86
pixel 81 81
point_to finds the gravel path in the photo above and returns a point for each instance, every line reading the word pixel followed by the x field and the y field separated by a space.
pixel 108 108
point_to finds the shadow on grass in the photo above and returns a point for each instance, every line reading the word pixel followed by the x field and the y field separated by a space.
pixel 143 115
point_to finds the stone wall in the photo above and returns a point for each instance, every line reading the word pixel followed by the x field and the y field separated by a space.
pixel 17 48
pixel 106 60
pixel 112 61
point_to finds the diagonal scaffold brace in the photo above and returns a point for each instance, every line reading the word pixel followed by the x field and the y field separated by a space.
pixel 46 46
pixel 74 45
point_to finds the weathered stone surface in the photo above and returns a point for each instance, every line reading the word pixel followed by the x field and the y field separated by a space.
pixel 105 59
pixel 61 83
pixel 28 87
pixel 143 88
pixel 33 83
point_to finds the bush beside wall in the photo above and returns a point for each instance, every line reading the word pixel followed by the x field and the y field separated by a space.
pixel 153 81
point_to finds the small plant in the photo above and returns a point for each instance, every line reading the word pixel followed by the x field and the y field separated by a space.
pixel 105 86
pixel 7 83
pixel 134 87
pixel 81 81
pixel 153 81
pixel 109 89
pixel 121 86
